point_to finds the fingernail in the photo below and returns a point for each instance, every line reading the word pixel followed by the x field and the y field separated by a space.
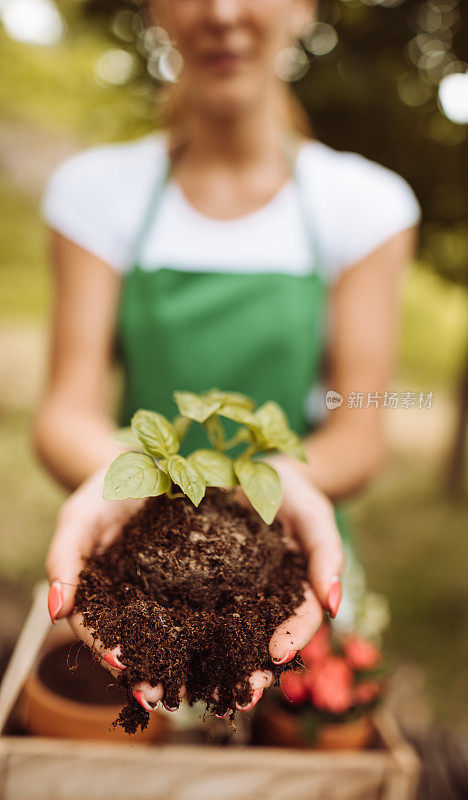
pixel 55 600
pixel 256 695
pixel 141 699
pixel 288 657
pixel 113 661
pixel 223 716
pixel 334 597
pixel 168 708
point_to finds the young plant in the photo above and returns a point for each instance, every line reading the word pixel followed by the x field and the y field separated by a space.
pixel 154 465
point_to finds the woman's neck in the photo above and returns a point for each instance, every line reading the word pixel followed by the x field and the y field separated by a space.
pixel 242 139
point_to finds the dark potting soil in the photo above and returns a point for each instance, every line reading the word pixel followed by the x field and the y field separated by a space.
pixel 72 672
pixel 192 596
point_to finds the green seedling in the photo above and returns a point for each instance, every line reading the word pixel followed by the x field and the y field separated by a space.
pixel 154 466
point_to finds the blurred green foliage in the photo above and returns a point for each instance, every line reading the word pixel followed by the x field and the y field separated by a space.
pixel 24 275
pixel 55 89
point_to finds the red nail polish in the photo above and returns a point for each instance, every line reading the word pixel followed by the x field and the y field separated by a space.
pixel 255 698
pixel 334 598
pixel 223 716
pixel 288 657
pixel 113 661
pixel 141 699
pixel 55 600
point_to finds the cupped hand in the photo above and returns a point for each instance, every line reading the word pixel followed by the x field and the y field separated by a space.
pixel 309 521
pixel 87 524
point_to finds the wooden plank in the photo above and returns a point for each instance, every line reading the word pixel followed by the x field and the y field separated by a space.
pixel 37 769
pixel 26 649
pixel 187 773
pixel 210 755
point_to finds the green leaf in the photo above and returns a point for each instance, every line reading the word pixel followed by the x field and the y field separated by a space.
pixel 194 406
pixel 134 475
pixel 271 417
pixel 290 444
pixel 215 395
pixel 188 477
pixel 262 486
pixel 238 399
pixel 215 468
pixel 181 426
pixel 232 399
pixel 127 437
pixel 237 413
pixel 155 432
pixel 215 431
pixel 272 431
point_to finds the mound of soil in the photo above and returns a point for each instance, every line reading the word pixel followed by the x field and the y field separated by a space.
pixel 192 596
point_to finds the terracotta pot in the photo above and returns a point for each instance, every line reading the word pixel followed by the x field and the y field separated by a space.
pixel 280 728
pixel 47 713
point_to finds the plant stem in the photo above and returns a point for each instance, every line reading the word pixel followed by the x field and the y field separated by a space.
pixel 239 436
pixel 215 432
pixel 174 495
pixel 250 451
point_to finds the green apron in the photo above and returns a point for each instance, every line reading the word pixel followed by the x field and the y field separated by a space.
pixel 261 333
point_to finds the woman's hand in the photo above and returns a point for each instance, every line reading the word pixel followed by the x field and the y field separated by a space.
pixel 308 518
pixel 86 524
pixel 89 524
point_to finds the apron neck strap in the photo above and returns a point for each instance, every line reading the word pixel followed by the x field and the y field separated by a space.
pixel 162 176
pixel 290 146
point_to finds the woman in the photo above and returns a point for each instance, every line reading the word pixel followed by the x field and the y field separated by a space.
pixel 227 253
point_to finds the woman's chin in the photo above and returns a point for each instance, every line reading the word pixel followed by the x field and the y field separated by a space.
pixel 229 99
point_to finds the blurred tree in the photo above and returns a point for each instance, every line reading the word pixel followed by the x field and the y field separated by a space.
pixel 376 92
pixel 370 85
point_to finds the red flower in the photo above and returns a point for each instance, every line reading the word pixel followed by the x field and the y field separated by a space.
pixel 361 654
pixel 318 648
pixel 293 686
pixel 330 685
pixel 366 692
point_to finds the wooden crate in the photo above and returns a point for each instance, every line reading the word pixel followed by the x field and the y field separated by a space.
pixel 53 769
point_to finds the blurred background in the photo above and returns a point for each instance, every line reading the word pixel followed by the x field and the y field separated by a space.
pixel 385 78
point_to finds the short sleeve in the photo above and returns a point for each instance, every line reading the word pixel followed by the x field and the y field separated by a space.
pixel 74 204
pixel 97 197
pixel 358 206
pixel 383 204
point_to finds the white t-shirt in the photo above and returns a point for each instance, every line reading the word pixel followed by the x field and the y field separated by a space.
pixel 99 197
